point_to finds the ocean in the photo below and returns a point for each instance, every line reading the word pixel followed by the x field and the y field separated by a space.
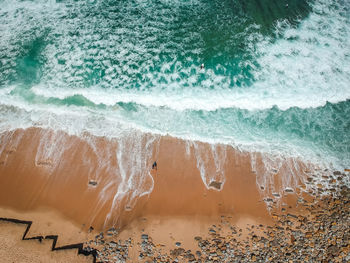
pixel 270 78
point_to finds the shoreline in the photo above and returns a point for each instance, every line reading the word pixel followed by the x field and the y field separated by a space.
pixel 59 182
pixel 34 179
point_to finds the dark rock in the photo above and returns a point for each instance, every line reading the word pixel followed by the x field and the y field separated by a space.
pixel 177 252
pixel 333 249
pixel 291 215
pixel 215 184
pixel 190 257
pixel 112 244
pixel 197 238
pixel 212 231
pixel 93 182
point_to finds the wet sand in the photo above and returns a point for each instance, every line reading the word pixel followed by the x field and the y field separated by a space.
pixel 30 183
pixel 58 182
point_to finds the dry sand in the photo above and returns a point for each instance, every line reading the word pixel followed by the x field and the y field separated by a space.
pixel 14 249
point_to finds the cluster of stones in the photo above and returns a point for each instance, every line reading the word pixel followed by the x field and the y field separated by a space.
pixel 147 247
pixel 321 233
pixel 322 236
pixel 109 251
pixel 327 183
pixel 150 252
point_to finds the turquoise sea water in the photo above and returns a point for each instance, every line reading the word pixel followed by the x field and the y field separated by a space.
pixel 276 74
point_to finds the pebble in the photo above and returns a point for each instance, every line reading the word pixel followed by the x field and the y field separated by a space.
pixel 93 182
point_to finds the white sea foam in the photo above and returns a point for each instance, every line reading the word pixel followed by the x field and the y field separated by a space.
pixel 304 67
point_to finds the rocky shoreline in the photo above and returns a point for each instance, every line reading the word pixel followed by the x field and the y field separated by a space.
pixel 318 232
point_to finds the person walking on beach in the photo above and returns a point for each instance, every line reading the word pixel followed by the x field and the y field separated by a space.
pixel 154 166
